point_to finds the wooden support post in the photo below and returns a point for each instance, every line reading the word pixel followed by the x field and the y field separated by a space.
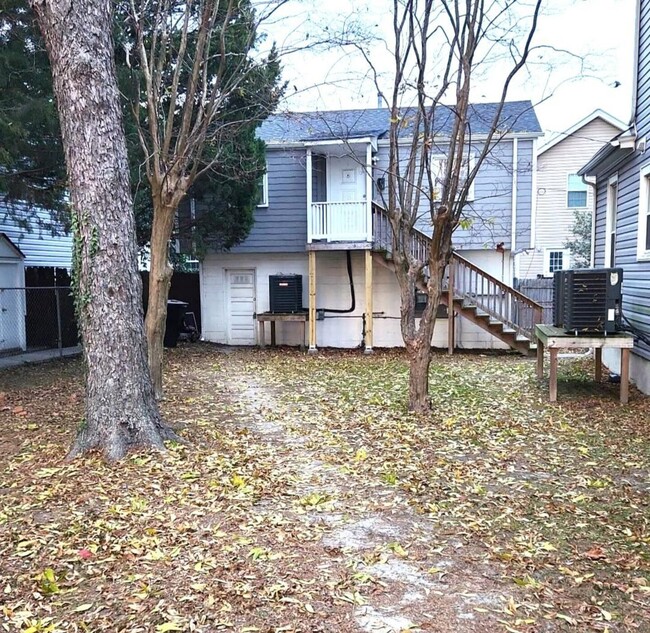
pixel 312 302
pixel 598 361
pixel 369 319
pixel 451 316
pixel 625 375
pixel 262 334
pixel 540 359
pixel 272 333
pixel 552 381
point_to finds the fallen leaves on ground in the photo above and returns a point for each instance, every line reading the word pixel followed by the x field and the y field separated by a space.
pixel 520 515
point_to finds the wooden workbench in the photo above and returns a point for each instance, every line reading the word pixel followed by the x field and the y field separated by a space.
pixel 556 339
pixel 273 318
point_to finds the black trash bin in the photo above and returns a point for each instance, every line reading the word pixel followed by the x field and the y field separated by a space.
pixel 175 314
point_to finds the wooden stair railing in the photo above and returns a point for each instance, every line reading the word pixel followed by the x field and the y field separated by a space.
pixel 503 303
pixel 471 287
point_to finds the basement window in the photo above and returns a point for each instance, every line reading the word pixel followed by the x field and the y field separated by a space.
pixel 554 260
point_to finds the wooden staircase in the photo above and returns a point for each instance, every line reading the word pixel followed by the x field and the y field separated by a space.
pixel 469 291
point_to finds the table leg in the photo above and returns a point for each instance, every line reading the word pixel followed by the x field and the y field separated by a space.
pixel 272 333
pixel 262 334
pixel 552 381
pixel 625 375
pixel 540 359
pixel 598 356
pixel 304 332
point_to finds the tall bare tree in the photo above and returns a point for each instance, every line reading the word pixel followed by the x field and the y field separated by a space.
pixel 201 85
pixel 440 46
pixel 121 410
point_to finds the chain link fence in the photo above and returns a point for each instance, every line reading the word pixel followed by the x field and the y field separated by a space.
pixel 37 319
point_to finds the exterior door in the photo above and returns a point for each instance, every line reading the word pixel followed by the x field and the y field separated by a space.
pixel 347 217
pixel 241 307
pixel 12 316
pixel 347 182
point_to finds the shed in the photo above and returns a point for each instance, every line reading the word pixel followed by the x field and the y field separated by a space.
pixel 12 296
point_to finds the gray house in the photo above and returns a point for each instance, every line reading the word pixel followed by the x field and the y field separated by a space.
pixel 622 226
pixel 322 216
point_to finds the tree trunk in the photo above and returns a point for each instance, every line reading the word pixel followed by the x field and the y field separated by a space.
pixel 419 361
pixel 160 277
pixel 121 410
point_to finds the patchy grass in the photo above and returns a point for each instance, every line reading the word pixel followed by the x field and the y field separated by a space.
pixel 517 514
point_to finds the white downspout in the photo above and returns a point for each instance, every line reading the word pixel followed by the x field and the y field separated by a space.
pixel 533 201
pixel 594 191
pixel 515 182
pixel 309 198
pixel 369 192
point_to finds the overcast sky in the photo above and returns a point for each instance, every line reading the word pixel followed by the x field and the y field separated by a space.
pixel 598 32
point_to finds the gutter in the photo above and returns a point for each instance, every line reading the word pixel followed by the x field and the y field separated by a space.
pixel 594 206
pixel 635 75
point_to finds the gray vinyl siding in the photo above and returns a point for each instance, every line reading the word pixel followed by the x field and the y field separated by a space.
pixel 600 223
pixel 43 241
pixel 525 150
pixel 490 213
pixel 636 274
pixel 282 226
pixel 643 79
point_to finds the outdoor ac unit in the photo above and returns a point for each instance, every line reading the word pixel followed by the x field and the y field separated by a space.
pixel 285 292
pixel 587 300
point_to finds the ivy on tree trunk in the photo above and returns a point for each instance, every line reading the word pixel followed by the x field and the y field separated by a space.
pixel 121 410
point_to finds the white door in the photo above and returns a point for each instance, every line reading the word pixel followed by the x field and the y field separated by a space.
pixel 347 180
pixel 12 315
pixel 346 194
pixel 241 307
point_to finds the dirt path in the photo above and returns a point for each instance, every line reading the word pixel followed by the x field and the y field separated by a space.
pixel 409 578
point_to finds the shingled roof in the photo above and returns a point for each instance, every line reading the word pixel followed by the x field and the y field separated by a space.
pixel 518 117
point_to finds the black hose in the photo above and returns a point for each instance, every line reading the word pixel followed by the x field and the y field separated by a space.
pixel 352 295
pixel 642 336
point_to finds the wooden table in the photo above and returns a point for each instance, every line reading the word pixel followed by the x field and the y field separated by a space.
pixel 555 339
pixel 273 318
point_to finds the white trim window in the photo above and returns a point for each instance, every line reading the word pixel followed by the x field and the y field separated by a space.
pixel 556 259
pixel 264 189
pixel 643 235
pixel 610 221
pixel 576 192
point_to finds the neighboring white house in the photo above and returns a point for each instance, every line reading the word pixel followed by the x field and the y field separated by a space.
pixel 560 192
pixel 40 237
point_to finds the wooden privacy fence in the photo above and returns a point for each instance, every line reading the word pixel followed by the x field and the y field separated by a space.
pixel 540 291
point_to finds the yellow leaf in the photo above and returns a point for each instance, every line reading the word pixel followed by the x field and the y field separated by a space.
pixel 169 626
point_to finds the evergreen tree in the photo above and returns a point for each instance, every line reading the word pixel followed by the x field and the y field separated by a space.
pixel 580 242
pixel 32 168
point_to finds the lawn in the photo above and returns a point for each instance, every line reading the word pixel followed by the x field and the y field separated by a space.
pixel 308 499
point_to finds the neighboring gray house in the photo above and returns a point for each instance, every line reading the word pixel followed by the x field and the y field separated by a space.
pixel 622 228
pixel 41 238
pixel 323 199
